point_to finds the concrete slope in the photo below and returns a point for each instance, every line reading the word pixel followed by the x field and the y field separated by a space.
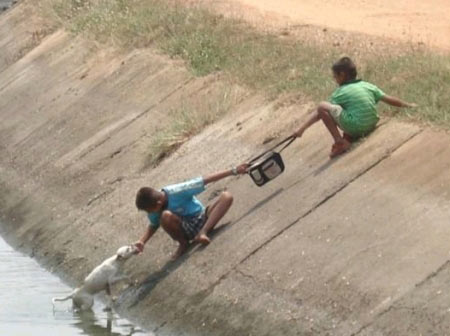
pixel 365 251
pixel 25 37
pixel 351 246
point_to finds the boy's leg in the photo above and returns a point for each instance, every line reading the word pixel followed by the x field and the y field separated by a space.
pixel 325 112
pixel 171 223
pixel 215 213
pixel 308 123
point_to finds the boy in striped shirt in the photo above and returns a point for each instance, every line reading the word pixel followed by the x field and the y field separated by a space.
pixel 352 107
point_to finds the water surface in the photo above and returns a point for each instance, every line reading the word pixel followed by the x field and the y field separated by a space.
pixel 26 308
pixel 4 4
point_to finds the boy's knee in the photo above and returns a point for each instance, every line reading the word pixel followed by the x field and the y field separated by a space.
pixel 323 105
pixel 167 217
pixel 227 197
pixel 322 108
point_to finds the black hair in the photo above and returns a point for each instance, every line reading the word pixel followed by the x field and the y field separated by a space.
pixel 146 198
pixel 345 65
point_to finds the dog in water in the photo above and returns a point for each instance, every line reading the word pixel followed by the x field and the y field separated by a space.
pixel 100 279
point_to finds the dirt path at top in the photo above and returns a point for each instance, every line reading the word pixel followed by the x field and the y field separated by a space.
pixel 416 21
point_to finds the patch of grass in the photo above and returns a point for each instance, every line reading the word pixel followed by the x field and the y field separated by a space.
pixel 420 77
pixel 186 122
pixel 261 61
pixel 207 42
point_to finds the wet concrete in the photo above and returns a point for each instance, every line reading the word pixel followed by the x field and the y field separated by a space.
pixel 26 291
pixel 6 4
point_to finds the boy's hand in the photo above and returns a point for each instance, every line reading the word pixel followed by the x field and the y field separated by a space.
pixel 242 168
pixel 298 133
pixel 411 105
pixel 140 246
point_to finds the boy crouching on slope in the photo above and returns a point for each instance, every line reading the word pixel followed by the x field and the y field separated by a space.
pixel 180 213
pixel 352 107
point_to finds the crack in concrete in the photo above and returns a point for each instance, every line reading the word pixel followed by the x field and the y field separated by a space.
pixel 328 197
pixel 138 116
pixel 433 274
pixel 106 192
pixel 98 196
pixel 314 208
pixel 245 275
pixel 393 306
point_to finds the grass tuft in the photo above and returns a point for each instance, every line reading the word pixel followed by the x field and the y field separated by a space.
pixel 261 61
pixel 186 122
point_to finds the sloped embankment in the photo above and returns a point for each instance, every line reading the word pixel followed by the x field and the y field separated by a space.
pixel 351 246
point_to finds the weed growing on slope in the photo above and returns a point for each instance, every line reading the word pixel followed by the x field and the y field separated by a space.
pixel 261 61
pixel 186 122
pixel 421 77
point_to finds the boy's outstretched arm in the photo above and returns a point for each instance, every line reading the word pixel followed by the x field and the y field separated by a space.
pixel 241 169
pixel 394 101
pixel 145 237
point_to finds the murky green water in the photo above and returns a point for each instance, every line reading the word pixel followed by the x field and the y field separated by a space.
pixel 26 308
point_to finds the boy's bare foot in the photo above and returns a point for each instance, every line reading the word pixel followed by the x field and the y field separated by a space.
pixel 202 239
pixel 182 248
pixel 340 147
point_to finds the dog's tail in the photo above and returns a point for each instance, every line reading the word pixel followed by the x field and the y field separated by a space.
pixel 65 298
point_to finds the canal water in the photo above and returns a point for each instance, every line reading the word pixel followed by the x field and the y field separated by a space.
pixel 26 292
pixel 5 4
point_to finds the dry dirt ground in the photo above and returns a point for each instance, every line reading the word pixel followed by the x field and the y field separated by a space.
pixel 412 21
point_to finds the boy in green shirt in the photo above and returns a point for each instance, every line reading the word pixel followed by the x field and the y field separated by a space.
pixel 352 107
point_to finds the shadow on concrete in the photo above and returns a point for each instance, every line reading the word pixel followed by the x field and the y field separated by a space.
pixel 327 165
pixel 224 227
pixel 219 229
pixel 135 295
pixel 258 205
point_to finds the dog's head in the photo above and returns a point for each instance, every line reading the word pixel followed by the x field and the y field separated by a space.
pixel 125 252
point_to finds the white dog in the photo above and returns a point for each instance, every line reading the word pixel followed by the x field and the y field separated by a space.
pixel 101 278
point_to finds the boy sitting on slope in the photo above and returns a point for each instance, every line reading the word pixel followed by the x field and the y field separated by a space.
pixel 180 213
pixel 352 107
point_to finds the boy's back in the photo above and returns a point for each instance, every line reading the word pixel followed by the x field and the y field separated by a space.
pixel 358 100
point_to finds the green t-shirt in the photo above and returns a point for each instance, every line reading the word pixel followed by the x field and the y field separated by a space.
pixel 358 100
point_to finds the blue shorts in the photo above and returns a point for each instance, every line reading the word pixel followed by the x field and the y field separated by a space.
pixel 192 225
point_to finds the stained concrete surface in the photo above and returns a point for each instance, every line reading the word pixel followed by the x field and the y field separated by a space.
pixel 331 247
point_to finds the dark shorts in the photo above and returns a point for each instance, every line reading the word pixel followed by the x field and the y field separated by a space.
pixel 192 225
